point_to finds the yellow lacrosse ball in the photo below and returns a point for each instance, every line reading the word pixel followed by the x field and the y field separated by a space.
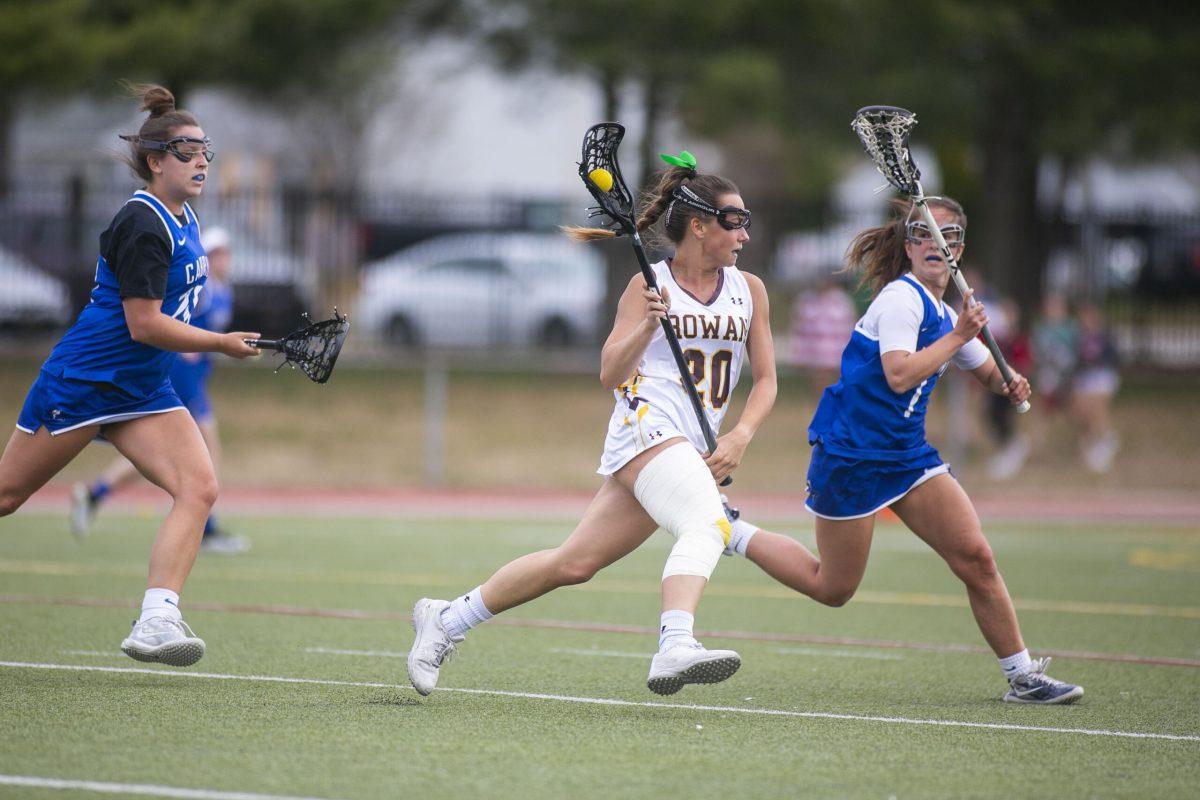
pixel 602 178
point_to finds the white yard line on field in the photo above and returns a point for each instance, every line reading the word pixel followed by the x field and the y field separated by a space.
pixel 338 652
pixel 144 789
pixel 584 651
pixel 820 651
pixel 602 701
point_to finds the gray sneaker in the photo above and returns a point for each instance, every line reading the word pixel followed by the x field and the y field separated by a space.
pixel 432 646
pixel 1035 686
pixel 225 544
pixel 677 666
pixel 165 641
pixel 82 511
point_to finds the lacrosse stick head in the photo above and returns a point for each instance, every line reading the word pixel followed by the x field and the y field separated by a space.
pixel 601 174
pixel 314 347
pixel 884 131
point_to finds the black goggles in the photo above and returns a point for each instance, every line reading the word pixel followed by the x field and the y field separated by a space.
pixel 185 148
pixel 731 218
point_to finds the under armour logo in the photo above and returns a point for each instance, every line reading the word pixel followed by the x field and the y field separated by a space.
pixel 55 413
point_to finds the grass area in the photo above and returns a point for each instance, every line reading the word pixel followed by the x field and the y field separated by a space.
pixel 517 429
pixel 1080 589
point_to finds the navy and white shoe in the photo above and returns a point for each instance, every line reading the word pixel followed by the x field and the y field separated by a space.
pixel 1035 686
pixel 732 514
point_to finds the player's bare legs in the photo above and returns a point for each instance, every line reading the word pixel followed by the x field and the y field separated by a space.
pixel 940 512
pixel 832 579
pixel 182 468
pixel 28 462
pixel 613 526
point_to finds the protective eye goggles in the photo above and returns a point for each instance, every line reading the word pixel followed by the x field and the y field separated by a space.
pixel 918 233
pixel 185 148
pixel 731 218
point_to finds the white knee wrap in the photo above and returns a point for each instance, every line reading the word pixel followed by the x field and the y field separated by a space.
pixel 679 493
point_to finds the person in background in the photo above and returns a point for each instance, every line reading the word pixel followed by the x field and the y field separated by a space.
pixel 189 375
pixel 823 318
pixel 1095 382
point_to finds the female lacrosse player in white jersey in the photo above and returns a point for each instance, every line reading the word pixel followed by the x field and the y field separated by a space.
pixel 656 471
pixel 870 452
pixel 108 375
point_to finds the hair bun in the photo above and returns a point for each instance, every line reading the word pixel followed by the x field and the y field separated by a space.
pixel 157 101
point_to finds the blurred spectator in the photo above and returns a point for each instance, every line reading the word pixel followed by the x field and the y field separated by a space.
pixel 1055 342
pixel 1004 322
pixel 1014 344
pixel 1096 381
pixel 823 318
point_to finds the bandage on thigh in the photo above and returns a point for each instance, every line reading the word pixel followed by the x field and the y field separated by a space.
pixel 678 492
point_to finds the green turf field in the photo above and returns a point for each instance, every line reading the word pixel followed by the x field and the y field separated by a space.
pixel 323 600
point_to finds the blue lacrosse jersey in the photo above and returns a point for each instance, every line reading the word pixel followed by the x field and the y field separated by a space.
pixel 213 313
pixel 98 347
pixel 860 416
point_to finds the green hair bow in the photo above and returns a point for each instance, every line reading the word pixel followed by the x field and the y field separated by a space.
pixel 684 159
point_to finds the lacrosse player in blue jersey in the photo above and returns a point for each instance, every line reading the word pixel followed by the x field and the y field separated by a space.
pixel 189 376
pixel 108 375
pixel 870 452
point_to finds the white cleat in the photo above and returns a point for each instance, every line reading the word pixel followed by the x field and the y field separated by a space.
pixel 165 641
pixel 82 511
pixel 682 664
pixel 432 646
pixel 225 544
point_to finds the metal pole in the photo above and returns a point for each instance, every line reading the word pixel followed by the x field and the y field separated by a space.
pixel 437 392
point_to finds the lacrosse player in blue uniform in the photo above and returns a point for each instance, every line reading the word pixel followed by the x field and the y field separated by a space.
pixel 189 376
pixel 870 452
pixel 108 375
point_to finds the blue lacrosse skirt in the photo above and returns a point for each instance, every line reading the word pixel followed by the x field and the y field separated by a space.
pixel 63 404
pixel 849 488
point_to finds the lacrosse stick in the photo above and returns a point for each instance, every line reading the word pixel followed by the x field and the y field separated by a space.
pixel 884 132
pixel 313 348
pixel 601 175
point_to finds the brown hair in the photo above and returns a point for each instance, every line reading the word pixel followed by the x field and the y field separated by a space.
pixel 164 119
pixel 879 251
pixel 656 202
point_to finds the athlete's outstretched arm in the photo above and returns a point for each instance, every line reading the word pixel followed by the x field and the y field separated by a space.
pixel 732 446
pixel 149 325
pixel 638 313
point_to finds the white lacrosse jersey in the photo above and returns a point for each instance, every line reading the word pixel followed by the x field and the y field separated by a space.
pixel 652 405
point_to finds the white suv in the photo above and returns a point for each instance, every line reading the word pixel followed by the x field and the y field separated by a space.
pixel 484 290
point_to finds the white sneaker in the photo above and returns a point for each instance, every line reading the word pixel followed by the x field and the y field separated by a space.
pixel 82 511
pixel 682 664
pixel 432 646
pixel 164 640
pixel 225 544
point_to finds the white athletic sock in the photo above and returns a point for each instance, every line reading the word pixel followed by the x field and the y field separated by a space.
pixel 739 536
pixel 465 613
pixel 1016 664
pixel 676 629
pixel 160 603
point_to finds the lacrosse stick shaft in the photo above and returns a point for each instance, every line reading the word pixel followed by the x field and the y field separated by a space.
pixel 685 374
pixel 1005 371
pixel 264 344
